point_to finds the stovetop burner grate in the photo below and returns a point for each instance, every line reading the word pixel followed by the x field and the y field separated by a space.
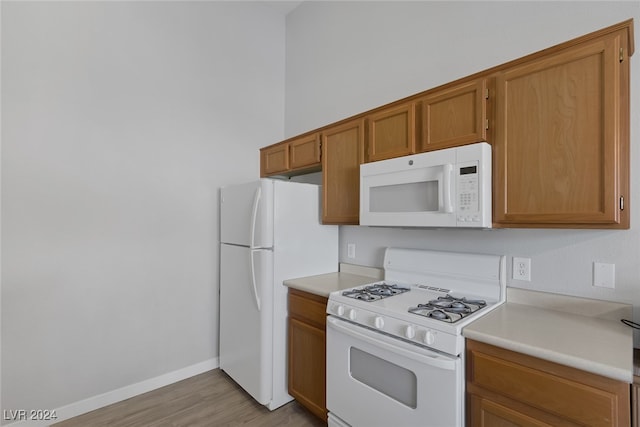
pixel 375 292
pixel 448 308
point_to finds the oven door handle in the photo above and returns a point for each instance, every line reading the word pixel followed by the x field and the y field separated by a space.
pixel 381 341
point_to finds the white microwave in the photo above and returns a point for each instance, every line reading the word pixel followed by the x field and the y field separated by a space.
pixel 442 188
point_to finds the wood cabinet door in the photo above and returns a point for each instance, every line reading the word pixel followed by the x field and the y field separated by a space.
pixel 274 159
pixel 635 409
pixel 546 391
pixel 455 116
pixel 487 413
pixel 392 132
pixel 342 154
pixel 307 350
pixel 635 389
pixel 307 359
pixel 304 152
pixel 561 149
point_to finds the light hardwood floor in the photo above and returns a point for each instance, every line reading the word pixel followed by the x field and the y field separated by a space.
pixel 208 399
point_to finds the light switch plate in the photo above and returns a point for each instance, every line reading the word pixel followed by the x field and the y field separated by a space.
pixel 604 275
pixel 351 250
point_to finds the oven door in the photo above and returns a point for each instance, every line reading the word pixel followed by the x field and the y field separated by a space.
pixel 377 380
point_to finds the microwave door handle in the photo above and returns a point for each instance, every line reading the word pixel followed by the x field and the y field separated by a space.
pixel 447 190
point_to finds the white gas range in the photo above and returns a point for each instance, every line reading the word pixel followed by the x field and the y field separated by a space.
pixel 395 348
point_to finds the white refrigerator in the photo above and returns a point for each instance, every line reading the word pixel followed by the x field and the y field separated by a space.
pixel 270 231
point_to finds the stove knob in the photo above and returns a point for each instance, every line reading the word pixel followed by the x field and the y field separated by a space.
pixel 429 338
pixel 410 332
pixel 378 322
pixel 340 310
pixel 352 314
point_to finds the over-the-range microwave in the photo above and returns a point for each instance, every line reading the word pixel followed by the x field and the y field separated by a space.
pixel 442 188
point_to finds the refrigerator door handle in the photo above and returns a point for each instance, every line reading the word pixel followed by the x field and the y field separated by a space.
pixel 254 217
pixel 253 281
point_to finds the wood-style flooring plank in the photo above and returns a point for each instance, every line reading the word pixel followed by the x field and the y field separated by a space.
pixel 208 399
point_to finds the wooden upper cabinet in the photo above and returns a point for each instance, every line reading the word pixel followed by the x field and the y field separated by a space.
pixel 456 115
pixel 274 159
pixel 291 156
pixel 391 132
pixel 342 154
pixel 561 149
pixel 557 120
pixel 304 151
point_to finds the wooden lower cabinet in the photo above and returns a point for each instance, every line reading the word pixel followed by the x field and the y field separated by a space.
pixel 307 351
pixel 636 401
pixel 505 388
pixel 487 412
pixel 635 389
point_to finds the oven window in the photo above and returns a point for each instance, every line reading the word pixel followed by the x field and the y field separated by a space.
pixel 390 379
pixel 413 197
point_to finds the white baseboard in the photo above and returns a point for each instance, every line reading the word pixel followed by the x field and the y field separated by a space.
pixel 92 403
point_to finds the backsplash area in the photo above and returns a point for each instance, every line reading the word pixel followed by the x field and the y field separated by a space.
pixel 561 260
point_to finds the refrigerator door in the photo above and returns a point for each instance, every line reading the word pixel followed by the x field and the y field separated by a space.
pixel 246 214
pixel 302 247
pixel 246 312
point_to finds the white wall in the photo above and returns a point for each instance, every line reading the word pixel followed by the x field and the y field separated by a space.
pixel 120 121
pixel 344 58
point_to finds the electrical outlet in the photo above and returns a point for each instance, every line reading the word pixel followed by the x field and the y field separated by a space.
pixel 351 250
pixel 521 269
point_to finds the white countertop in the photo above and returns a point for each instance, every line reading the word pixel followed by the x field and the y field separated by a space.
pixel 348 277
pixel 588 336
pixel 597 343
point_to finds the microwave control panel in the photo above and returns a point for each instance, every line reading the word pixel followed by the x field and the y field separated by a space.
pixel 468 184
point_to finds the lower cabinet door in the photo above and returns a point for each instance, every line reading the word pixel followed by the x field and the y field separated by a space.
pixel 486 413
pixel 635 409
pixel 504 383
pixel 307 381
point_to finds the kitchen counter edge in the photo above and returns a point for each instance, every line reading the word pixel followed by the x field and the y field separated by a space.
pixel 350 275
pixel 600 345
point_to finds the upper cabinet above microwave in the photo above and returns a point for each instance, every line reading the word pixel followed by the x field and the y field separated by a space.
pixel 392 132
pixel 450 116
pixel 456 115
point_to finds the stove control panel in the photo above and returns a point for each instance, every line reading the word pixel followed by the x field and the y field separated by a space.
pixel 430 337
